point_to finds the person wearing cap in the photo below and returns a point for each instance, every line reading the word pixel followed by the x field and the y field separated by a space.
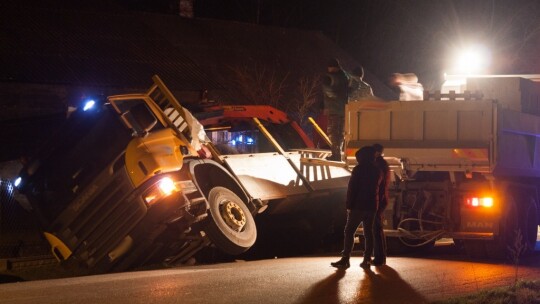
pixel 379 239
pixel 335 89
pixel 362 203
pixel 358 88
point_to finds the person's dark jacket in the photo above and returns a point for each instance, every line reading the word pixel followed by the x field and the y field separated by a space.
pixel 385 181
pixel 335 89
pixel 363 190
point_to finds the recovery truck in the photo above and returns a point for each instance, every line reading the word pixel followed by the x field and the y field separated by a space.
pixel 464 162
pixel 138 180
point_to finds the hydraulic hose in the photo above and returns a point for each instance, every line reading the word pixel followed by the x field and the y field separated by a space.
pixel 428 236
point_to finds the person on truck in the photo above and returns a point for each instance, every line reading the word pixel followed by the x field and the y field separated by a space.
pixel 362 203
pixel 335 89
pixel 379 239
pixel 358 88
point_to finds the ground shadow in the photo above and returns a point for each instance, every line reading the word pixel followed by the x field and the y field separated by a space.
pixel 325 291
pixel 7 278
pixel 386 286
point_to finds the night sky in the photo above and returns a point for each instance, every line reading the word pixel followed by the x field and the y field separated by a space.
pixel 388 36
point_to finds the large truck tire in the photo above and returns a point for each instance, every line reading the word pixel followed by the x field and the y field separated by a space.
pixel 230 225
pixel 504 243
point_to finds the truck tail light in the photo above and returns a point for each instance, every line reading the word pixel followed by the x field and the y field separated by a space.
pixel 477 201
pixel 163 188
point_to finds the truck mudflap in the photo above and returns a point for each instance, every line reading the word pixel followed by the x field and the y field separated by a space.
pixel 478 224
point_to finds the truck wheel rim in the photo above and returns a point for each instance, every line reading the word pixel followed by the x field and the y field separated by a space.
pixel 233 215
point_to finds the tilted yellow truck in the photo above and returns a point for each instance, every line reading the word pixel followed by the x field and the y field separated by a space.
pixel 137 179
pixel 466 165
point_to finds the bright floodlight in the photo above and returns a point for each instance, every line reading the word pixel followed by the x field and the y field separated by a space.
pixel 474 60
pixel 88 105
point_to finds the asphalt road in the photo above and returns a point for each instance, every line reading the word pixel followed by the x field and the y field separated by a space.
pixel 442 274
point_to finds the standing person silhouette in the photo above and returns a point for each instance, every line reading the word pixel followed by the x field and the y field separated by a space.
pixel 362 204
pixel 335 88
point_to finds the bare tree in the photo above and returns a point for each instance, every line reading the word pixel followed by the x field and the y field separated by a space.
pixel 305 97
pixel 259 84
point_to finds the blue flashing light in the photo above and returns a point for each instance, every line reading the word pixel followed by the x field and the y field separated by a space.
pixel 18 181
pixel 89 105
pixel 243 139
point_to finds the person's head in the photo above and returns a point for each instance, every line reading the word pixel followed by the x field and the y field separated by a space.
pixel 359 72
pixel 333 65
pixel 365 155
pixel 379 149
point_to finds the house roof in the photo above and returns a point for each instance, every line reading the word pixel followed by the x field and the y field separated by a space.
pixel 54 45
pixel 51 42
pixel 67 45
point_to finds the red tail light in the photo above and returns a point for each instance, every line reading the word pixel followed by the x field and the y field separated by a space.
pixel 476 201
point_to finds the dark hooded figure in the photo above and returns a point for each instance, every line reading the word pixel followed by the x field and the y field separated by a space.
pixel 362 205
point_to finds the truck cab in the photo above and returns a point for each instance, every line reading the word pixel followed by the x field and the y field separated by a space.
pixel 121 184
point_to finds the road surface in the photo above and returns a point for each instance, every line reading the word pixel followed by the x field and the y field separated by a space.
pixel 283 280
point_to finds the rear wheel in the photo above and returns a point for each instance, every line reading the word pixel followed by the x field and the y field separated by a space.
pixel 516 222
pixel 500 247
pixel 230 225
pixel 529 225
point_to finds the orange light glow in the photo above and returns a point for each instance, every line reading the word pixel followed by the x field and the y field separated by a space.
pixel 487 202
pixel 480 201
pixel 150 198
pixel 167 186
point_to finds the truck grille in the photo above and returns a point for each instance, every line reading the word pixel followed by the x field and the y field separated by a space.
pixel 100 217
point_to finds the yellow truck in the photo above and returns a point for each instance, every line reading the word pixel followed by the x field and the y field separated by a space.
pixel 465 163
pixel 138 179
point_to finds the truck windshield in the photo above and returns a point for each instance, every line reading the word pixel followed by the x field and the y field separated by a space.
pixel 246 138
pixel 137 115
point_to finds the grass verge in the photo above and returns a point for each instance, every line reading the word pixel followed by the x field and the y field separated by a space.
pixel 523 292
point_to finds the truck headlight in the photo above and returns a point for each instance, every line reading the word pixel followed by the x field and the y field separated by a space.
pixel 163 188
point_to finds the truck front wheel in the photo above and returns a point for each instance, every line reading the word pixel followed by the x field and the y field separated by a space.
pixel 230 225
